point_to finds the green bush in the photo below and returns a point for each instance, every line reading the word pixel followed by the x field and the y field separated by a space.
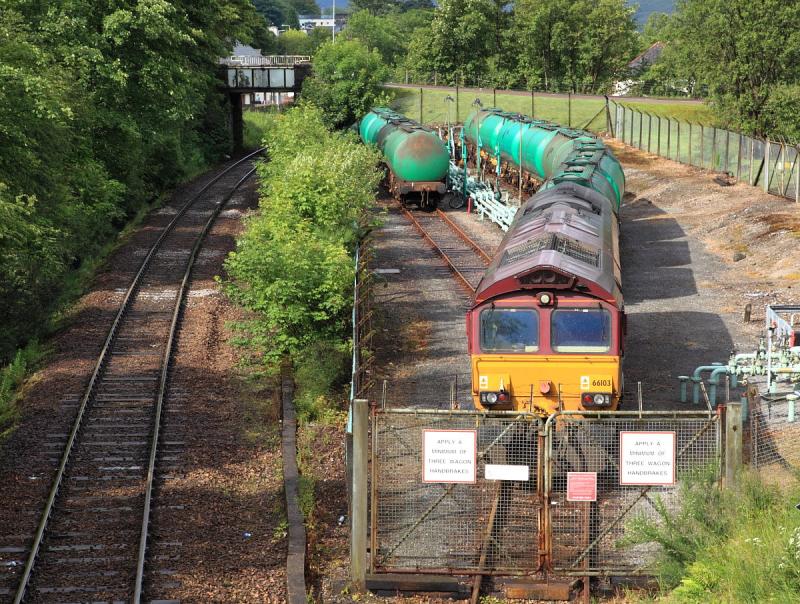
pixel 293 264
pixel 347 81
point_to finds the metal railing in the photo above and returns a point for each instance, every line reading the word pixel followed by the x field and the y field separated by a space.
pixel 773 165
pixel 265 61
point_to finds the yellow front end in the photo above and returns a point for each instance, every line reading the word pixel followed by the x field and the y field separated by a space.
pixel 539 382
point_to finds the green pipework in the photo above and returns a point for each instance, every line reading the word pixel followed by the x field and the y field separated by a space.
pixel 413 152
pixel 550 152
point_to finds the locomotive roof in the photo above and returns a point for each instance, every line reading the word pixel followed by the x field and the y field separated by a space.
pixel 568 229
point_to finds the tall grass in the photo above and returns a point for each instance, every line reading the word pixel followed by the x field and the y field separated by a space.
pixel 737 545
pixel 12 377
pixel 255 123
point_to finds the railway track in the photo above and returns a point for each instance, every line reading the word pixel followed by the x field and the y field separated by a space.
pixel 465 258
pixel 91 543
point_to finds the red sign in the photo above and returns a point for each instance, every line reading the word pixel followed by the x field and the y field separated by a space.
pixel 581 486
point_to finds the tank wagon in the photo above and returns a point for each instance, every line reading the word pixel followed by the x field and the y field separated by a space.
pixel 416 157
pixel 546 325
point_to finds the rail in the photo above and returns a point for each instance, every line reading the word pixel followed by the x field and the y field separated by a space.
pixel 90 389
pixel 452 264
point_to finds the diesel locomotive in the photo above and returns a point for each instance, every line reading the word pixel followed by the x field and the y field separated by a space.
pixel 416 158
pixel 547 323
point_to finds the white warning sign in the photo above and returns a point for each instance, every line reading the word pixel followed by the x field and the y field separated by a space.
pixel 647 458
pixel 449 455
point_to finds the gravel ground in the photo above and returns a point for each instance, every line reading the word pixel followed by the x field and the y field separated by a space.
pixel 420 345
pixel 217 532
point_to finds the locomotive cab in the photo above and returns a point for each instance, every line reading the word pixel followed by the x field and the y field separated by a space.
pixel 541 351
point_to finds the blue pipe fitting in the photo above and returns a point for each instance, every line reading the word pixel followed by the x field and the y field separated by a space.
pixel 684 379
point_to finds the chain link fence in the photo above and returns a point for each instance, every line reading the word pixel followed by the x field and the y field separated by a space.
pixel 486 526
pixel 771 165
pixel 590 537
pixel 775 434
pixel 511 510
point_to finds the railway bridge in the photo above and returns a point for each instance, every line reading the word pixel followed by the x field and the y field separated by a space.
pixel 246 74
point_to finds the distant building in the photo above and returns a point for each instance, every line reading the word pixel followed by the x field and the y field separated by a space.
pixel 637 66
pixel 307 23
pixel 646 59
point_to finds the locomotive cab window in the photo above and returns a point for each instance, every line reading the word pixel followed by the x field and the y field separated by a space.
pixel 580 330
pixel 509 330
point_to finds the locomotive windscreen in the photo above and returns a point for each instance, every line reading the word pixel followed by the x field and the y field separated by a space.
pixel 509 330
pixel 581 330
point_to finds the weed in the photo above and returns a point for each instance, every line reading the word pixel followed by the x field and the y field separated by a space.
pixel 735 545
pixel 12 378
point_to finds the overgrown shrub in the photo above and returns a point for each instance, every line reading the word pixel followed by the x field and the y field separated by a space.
pixel 293 265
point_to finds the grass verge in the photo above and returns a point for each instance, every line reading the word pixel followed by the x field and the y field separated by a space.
pixel 736 545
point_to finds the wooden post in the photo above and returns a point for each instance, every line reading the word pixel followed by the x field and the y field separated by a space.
pixel 733 443
pixel 457 118
pixel 358 520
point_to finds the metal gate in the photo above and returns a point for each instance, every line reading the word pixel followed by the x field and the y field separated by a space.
pixel 509 513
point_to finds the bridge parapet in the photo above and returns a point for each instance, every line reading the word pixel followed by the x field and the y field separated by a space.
pixel 276 73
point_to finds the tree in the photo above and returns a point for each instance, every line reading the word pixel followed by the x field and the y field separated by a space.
pixel 378 33
pixel 741 50
pixel 279 13
pixel 294 42
pixel 578 45
pixel 347 81
pixel 457 44
pixel 305 7
pixel 374 7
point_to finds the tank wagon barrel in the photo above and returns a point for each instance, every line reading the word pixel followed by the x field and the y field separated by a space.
pixel 547 151
pixel 417 158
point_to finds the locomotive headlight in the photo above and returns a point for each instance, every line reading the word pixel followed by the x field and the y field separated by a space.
pixel 601 399
pixel 491 398
pixel 545 299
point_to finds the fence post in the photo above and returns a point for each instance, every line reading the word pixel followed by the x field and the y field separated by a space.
pixel 678 143
pixel 494 97
pixel 658 143
pixel 752 145
pixel 569 109
pixel 649 131
pixel 797 176
pixel 669 137
pixel 766 167
pixel 739 159
pixel 533 104
pixel 690 144
pixel 358 520
pixel 733 442
pixel 457 116
pixel 420 105
pixel 702 146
